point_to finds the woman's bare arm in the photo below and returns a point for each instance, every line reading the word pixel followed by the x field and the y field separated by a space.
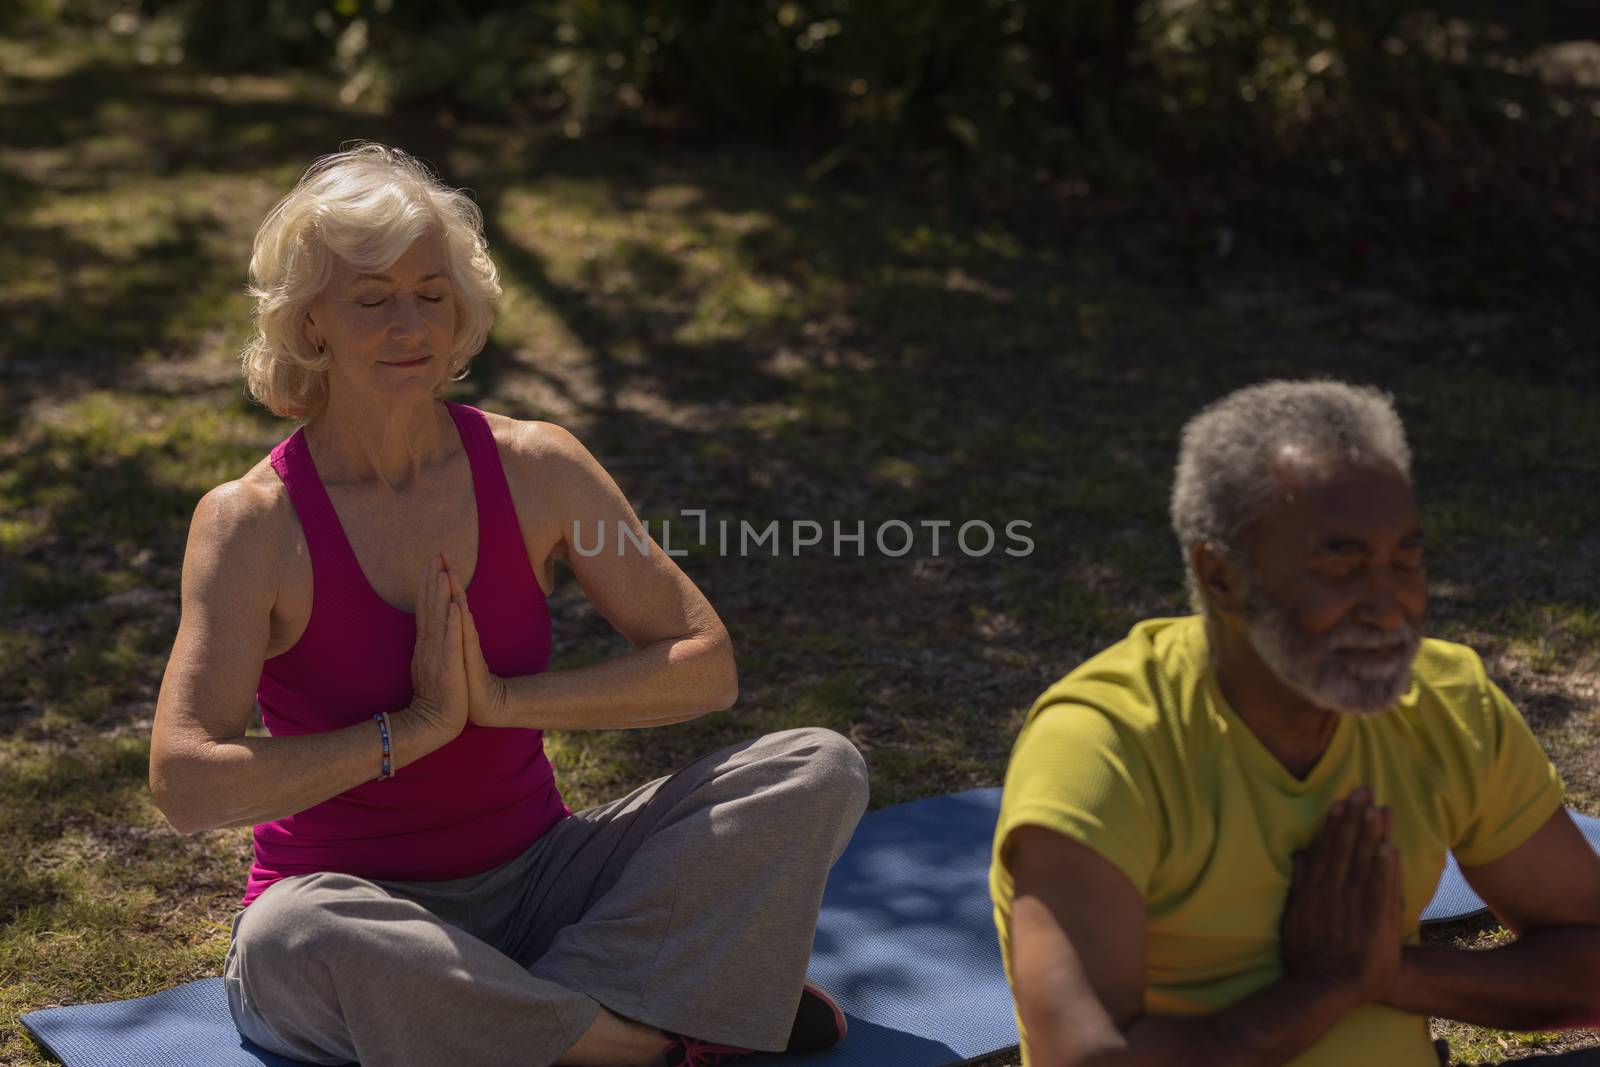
pixel 205 773
pixel 681 665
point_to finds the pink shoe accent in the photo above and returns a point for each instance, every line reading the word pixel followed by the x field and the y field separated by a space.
pixel 693 1053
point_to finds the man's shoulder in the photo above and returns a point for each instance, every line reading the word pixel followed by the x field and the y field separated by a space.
pixel 1447 663
pixel 1140 681
pixel 1451 675
pixel 1452 692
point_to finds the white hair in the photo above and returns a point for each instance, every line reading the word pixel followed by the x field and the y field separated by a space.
pixel 367 205
pixel 1225 478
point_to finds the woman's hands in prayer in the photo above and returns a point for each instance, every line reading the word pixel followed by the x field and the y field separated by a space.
pixel 439 687
pixel 1345 914
pixel 486 694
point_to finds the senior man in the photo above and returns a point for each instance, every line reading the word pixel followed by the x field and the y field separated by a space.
pixel 1218 835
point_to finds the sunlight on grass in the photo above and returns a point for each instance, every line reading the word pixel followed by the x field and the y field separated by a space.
pixel 110 465
pixel 736 305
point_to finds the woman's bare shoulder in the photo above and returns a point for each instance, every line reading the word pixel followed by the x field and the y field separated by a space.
pixel 254 507
pixel 533 440
pixel 260 490
pixel 543 460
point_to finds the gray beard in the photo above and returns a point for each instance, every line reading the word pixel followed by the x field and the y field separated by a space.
pixel 1312 667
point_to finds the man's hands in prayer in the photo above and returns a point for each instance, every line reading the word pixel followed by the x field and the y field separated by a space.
pixel 1343 919
pixel 486 693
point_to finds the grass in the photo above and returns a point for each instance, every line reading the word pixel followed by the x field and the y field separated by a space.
pixel 727 336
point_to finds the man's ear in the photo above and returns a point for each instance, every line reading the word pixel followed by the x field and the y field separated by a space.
pixel 1219 581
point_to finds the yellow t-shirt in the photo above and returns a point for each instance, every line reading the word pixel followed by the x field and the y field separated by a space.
pixel 1137 755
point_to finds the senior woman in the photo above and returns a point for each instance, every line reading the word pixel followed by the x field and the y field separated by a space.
pixel 420 893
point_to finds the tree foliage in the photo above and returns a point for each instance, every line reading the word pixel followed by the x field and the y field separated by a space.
pixel 1036 80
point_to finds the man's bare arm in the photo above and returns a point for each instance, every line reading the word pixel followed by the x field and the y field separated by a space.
pixel 1549 978
pixel 1078 961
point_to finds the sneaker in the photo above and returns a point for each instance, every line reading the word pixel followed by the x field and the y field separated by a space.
pixel 818 1022
pixel 691 1053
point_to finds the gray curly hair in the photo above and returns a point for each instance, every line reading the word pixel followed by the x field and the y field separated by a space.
pixel 366 204
pixel 1225 479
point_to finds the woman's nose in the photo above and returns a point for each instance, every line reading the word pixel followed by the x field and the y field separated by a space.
pixel 407 321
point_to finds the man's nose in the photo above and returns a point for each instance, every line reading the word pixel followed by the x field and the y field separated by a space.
pixel 1380 604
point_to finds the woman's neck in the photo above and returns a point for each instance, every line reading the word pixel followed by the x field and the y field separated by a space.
pixel 388 444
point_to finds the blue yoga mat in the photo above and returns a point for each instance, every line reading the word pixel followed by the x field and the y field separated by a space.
pixel 905 942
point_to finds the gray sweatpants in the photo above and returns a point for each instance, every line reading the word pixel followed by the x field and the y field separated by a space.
pixel 688 905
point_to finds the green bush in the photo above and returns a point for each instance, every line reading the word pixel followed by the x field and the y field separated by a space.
pixel 1063 84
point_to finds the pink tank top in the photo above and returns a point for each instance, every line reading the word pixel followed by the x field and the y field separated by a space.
pixel 479 801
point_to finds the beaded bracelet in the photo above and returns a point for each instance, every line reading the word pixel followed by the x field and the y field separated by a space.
pixel 383 729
